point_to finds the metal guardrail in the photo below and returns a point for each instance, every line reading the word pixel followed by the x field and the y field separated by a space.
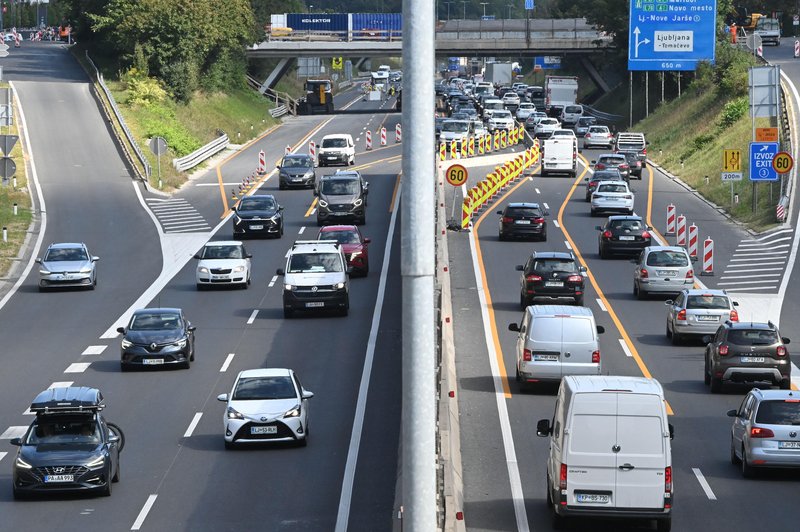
pixel 201 154
pixel 139 155
pixel 278 111
pixel 603 117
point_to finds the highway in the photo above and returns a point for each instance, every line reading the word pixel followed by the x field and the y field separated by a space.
pixel 175 472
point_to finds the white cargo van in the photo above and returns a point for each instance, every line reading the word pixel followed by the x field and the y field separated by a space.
pixel 610 450
pixel 556 340
pixel 560 155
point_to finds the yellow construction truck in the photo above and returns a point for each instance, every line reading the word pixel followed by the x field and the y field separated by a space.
pixel 318 98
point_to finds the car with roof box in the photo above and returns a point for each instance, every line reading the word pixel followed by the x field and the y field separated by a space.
pixel 698 311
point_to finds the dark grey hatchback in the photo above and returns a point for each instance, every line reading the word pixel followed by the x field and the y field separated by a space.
pixel 523 219
pixel 257 215
pixel 296 170
pixel 157 337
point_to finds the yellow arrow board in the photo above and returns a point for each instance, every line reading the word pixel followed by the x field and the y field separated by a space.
pixel 731 160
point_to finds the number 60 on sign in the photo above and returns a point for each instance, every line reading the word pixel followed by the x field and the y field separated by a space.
pixel 782 162
pixel 456 175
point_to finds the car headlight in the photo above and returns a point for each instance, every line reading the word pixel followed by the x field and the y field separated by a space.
pixel 294 412
pixel 86 270
pixel 357 203
pixel 355 254
pixel 23 464
pixel 274 218
pixel 126 343
pixel 283 174
pixel 308 175
pixel 234 414
pixel 323 203
pixel 237 219
pixel 202 269
pixel 180 344
pixel 288 287
pixel 97 462
pixel 339 286
pixel 44 272
pixel 238 269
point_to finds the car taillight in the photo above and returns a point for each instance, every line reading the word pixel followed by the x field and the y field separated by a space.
pixel 538 220
pixel 624 167
pixel 668 487
pixel 607 234
pixel 588 136
pixel 781 351
pixel 593 184
pixel 643 273
pixel 723 350
pixel 761 432
pixel 562 478
pixel 734 315
pixel 532 278
pixel 574 279
pixel 507 219
pixel 682 315
pixel 690 274
pixel 645 234
pixel 526 355
pixel 596 357
pixel 644 151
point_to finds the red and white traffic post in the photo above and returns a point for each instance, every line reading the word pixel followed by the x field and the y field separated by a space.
pixel 670 219
pixel 312 149
pixel 369 139
pixel 262 163
pixel 693 242
pixel 681 230
pixel 708 257
pixel 797 48
pixel 398 134
pixel 288 149
pixel 383 136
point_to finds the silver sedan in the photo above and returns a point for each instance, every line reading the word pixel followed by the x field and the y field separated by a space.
pixel 698 312
pixel 67 264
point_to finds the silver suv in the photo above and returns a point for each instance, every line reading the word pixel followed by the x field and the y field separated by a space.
pixel 662 269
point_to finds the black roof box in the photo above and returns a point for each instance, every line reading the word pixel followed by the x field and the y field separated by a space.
pixel 72 399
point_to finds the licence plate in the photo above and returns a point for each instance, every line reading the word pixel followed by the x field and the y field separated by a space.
pixel 593 498
pixel 707 318
pixel 219 276
pixel 627 238
pixel 752 360
pixel 63 478
pixel 152 361
pixel 264 430
pixel 545 358
pixel 554 283
pixel 312 304
pixel 523 222
pixel 256 227
pixel 789 445
pixel 667 272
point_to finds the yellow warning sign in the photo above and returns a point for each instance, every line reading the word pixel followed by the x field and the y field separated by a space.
pixel 336 63
pixel 731 160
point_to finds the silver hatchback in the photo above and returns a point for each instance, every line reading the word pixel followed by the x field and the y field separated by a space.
pixel 698 312
pixel 662 269
pixel 67 264
pixel 766 431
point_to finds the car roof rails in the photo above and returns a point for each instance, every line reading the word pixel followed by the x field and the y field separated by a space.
pixel 72 399
pixel 297 243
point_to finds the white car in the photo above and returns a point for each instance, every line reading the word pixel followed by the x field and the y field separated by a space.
pixel 501 120
pixel 223 263
pixel 598 136
pixel 337 149
pixel 613 196
pixel 545 127
pixel 524 111
pixel 479 128
pixel 511 98
pixel 265 405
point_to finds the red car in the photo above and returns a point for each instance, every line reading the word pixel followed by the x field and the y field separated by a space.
pixel 354 244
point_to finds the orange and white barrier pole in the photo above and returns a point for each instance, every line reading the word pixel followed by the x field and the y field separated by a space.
pixel 670 219
pixel 262 163
pixel 398 135
pixel 368 139
pixel 681 230
pixel 708 257
pixel 693 242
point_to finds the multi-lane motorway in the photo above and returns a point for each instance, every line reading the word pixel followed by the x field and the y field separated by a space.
pixel 175 472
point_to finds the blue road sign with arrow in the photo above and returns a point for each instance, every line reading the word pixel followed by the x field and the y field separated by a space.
pixel 761 155
pixel 671 34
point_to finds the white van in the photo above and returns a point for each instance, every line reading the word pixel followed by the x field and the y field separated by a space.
pixel 560 155
pixel 556 340
pixel 610 453
pixel 571 114
pixel 490 106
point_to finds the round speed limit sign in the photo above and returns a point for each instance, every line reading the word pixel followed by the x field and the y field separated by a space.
pixel 782 162
pixel 456 175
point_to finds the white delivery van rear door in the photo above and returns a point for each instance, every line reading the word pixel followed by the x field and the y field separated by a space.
pixel 558 156
pixel 644 453
pixel 578 343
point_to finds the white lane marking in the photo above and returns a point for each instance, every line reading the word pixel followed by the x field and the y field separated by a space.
pixel 601 305
pixel 272 281
pixel 566 242
pixel 748 276
pixel 704 484
pixel 252 317
pixel 151 499
pixel 546 206
pixel 749 289
pixel 313 211
pixel 302 229
pixel 94 350
pixel 512 465
pixel 625 347
pixel 217 184
pixel 78 367
pixel 227 362
pixel 759 244
pixel 771 250
pixel 761 281
pixel 767 237
pixel 2 455
pixel 345 499
pixel 536 189
pixel 14 431
pixel 555 222
pixel 766 261
pixel 193 424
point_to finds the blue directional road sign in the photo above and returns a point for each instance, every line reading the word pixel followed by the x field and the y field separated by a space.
pixel 671 34
pixel 548 62
pixel 528 4
pixel 761 155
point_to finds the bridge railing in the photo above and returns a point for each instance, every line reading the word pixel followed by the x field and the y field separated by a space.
pixel 281 34
pixel 539 29
pixel 281 99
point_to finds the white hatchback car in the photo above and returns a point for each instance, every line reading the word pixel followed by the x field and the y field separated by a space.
pixel 524 111
pixel 266 405
pixel 223 263
pixel 501 120
pixel 612 196
pixel 545 127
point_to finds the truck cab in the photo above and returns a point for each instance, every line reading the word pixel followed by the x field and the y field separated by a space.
pixel 319 97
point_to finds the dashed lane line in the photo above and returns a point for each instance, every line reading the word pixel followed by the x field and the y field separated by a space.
pixel 193 424
pixel 704 484
pixel 566 243
pixel 94 350
pixel 151 499
pixel 2 455
pixel 14 431
pixel 601 305
pixel 302 230
pixel 227 362
pixel 252 317
pixel 272 281
pixel 625 348
pixel 77 367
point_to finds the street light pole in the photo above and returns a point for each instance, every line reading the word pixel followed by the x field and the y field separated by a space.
pixel 448 9
pixel 464 13
pixel 484 4
pixel 509 6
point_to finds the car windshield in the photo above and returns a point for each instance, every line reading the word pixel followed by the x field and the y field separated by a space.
pixel 586 121
pixel 455 126
pixel 524 106
pixel 667 258
pixel 64 430
pixel 621 188
pixel 556 265
pixel 155 321
pixel 780 412
pixel 573 109
pixel 598 129
pixel 340 187
pixel 752 336
pixel 222 252
pixel 334 143
pixel 315 262
pixel 264 388
pixel 256 203
pixel 548 122
pixel 612 161
pixel 501 114
pixel 342 237
pixel 527 212
pixel 611 174
pixel 65 254
pixel 626 225
pixel 296 162
pixel 708 302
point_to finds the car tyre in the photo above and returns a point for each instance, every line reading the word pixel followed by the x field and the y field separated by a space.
pixel 229 445
pixel 124 367
pixel 501 236
pixel 677 338
pixel 288 313
pixel 186 364
pixel 706 374
pixel 115 478
pixel 668 333
pixel 281 186
pixel 716 385
pixel 362 220
pixel 786 384
pixel 18 494
pixel 664 525
pixel 602 252
pixel 593 213
pixel 523 303
pixel 543 237
pixel 201 287
pixel 735 460
pixel 748 471
pixel 105 491
pixel 641 294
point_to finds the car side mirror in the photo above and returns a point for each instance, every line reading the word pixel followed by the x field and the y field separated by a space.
pixel 735 303
pixel 196 255
pixel 121 330
pixel 519 267
pixel 513 327
pixel 16 441
pixel 280 208
pixel 668 302
pixel 191 328
pixel 586 178
pixel 582 269
pixel 786 340
pixel 307 394
pixel 367 240
pixel 543 428
pixel 598 227
pixel 95 259
pixel 600 329
pixel 38 261
pixel 248 255
pixel 222 397
pixel 113 439
pixel 707 338
pixel 671 431
pixel 594 162
pixel 280 271
pixel 732 413
pixel 278 166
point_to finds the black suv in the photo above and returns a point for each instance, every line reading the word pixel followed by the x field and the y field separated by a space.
pixel 622 234
pixel 523 219
pixel 296 170
pixel 551 275
pixel 747 352
pixel 342 196
pixel 69 446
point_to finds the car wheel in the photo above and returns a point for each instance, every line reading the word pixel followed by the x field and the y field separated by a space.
pixel 716 385
pixel 677 338
pixel 281 186
pixel 734 459
pixel 559 522
pixel 523 303
pixel 303 442
pixel 186 364
pixel 748 471
pixel 124 367
pixel 288 313
pixel 641 294
pixel 18 494
pixel 105 491
pixel 593 212
pixel 319 222
pixel 115 478
pixel 664 525
pixel 602 252
pixel 786 384
pixel 94 284
pixel 706 373
pixel 543 236
pixel 501 236
pixel 201 287
pixel 362 220
pixel 669 333
pixel 518 378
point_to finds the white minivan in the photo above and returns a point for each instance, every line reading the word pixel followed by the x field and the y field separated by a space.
pixel 556 340
pixel 610 452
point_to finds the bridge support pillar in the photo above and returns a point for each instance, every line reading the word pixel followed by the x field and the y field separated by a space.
pixel 276 74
